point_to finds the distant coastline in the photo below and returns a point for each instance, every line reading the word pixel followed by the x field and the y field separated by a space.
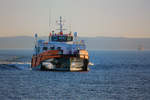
pixel 93 43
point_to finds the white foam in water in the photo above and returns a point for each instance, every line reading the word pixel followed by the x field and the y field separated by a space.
pixel 91 64
pixel 23 65
pixel 19 65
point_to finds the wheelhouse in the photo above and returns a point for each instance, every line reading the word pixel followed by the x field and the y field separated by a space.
pixel 61 38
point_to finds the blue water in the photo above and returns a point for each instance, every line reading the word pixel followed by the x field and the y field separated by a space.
pixel 116 75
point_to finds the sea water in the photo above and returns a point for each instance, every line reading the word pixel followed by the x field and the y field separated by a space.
pixel 115 75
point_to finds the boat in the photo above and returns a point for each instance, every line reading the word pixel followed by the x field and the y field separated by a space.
pixel 140 48
pixel 61 52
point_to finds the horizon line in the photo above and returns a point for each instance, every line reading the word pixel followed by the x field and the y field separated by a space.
pixel 79 36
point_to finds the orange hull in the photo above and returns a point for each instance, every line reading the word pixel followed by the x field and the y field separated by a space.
pixel 37 59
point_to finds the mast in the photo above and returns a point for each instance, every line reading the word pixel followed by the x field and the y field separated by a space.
pixel 60 23
pixel 36 43
pixel 50 26
pixel 61 26
pixel 50 19
pixel 70 29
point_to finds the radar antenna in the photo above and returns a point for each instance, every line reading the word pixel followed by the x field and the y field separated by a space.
pixel 60 22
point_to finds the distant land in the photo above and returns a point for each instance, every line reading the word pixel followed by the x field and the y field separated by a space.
pixel 93 43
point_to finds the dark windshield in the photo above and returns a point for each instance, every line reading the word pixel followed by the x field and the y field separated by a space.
pixel 62 38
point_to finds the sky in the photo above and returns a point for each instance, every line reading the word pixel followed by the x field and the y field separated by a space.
pixel 90 18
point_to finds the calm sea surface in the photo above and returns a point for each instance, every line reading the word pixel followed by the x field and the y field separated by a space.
pixel 116 75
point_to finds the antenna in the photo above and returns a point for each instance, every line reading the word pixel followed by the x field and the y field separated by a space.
pixel 60 22
pixel 50 19
pixel 36 44
pixel 70 28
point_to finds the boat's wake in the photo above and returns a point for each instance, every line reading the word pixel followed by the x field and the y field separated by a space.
pixel 11 62
pixel 91 64
pixel 15 66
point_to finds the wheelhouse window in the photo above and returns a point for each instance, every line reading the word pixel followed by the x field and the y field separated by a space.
pixel 62 38
pixel 69 38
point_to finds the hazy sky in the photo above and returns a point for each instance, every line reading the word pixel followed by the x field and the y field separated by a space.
pixel 116 18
